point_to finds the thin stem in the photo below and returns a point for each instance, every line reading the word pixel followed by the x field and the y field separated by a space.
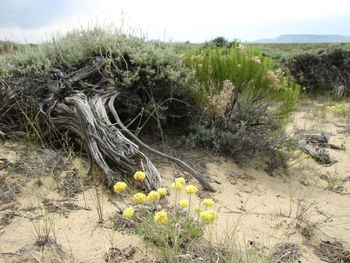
pixel 189 206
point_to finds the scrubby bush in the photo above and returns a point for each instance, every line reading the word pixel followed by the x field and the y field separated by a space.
pixel 322 73
pixel 149 76
pixel 246 102
pixel 222 43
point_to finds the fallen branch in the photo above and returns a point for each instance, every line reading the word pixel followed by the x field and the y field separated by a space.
pixel 180 163
pixel 316 152
pixel 314 144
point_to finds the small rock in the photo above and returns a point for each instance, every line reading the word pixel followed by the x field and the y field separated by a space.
pixel 323 177
pixel 304 183
pixel 339 189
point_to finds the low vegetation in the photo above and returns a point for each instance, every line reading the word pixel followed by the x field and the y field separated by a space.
pixel 99 92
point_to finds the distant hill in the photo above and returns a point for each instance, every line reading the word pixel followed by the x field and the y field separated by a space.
pixel 305 39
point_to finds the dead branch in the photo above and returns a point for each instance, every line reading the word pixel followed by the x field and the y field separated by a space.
pixel 314 144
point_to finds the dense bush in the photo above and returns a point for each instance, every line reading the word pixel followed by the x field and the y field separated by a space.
pixel 246 102
pixel 322 73
pixel 149 76
pixel 222 43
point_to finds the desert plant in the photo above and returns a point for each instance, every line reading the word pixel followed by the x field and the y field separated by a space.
pixel 172 239
pixel 97 199
pixel 221 42
pixel 245 103
pixel 44 227
pixel 250 74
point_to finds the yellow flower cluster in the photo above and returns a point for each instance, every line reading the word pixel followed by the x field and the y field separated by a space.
pixel 120 187
pixel 139 176
pixel 209 216
pixel 176 186
pixel 183 203
pixel 129 212
pixel 208 202
pixel 191 189
pixel 197 208
pixel 161 217
pixel 153 196
pixel 139 198
pixel 162 191
pixel 180 180
pixel 336 108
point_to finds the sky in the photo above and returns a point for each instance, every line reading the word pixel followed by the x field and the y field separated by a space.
pixel 33 21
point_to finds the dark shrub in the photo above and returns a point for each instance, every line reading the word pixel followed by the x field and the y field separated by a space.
pixel 322 73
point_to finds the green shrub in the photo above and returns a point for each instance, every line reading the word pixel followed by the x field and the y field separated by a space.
pixel 249 72
pixel 174 238
pixel 149 76
pixel 221 42
pixel 245 102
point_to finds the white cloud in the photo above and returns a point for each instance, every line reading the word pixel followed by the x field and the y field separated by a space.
pixel 191 19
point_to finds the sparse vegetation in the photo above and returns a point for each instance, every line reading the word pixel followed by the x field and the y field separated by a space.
pixel 224 96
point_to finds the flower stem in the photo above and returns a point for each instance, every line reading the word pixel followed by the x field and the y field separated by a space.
pixel 189 206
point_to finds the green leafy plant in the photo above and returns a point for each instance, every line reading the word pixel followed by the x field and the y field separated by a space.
pixel 245 103
pixel 171 239
pixel 249 72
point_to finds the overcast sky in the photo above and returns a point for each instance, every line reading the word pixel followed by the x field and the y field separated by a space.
pixel 178 20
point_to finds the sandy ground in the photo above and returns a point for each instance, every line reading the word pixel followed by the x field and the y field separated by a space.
pixel 305 205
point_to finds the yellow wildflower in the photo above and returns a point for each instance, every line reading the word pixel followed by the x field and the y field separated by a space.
pixel 161 217
pixel 162 191
pixel 191 189
pixel 209 216
pixel 129 212
pixel 183 203
pixel 197 208
pixel 176 186
pixel 153 196
pixel 208 202
pixel 139 198
pixel 180 180
pixel 119 187
pixel 139 176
